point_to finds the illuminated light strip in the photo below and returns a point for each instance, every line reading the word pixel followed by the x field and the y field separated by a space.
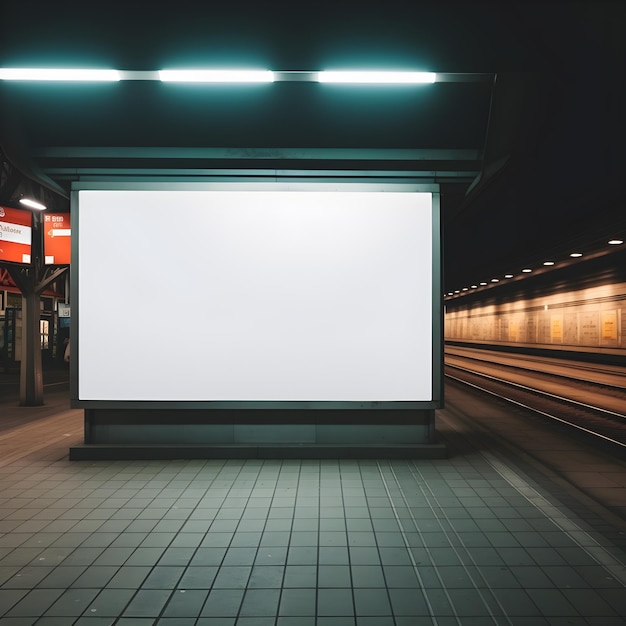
pixel 216 76
pixel 368 77
pixel 33 204
pixel 230 76
pixel 56 74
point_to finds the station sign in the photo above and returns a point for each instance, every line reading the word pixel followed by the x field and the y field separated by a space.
pixel 56 238
pixel 15 235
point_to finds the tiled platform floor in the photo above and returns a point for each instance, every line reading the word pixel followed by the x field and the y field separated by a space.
pixel 467 541
pixel 290 543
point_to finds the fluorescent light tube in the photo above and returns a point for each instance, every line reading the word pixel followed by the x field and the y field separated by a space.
pixel 217 76
pixel 49 73
pixel 376 77
pixel 33 204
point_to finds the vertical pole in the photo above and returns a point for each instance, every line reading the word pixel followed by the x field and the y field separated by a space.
pixel 31 374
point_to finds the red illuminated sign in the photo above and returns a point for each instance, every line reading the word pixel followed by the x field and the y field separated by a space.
pixel 56 238
pixel 15 235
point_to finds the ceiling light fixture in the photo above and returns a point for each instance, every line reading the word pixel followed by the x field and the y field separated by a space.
pixel 376 77
pixel 575 255
pixel 508 276
pixel 216 76
pixel 33 204
pixel 615 242
pixel 526 270
pixel 548 262
pixel 57 74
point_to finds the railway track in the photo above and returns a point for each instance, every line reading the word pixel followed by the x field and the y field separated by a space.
pixel 593 410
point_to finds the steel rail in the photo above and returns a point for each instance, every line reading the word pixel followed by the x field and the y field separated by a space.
pixel 536 410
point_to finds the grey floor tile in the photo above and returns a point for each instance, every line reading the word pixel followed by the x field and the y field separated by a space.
pixel 185 603
pixel 89 620
pixel 9 598
pixel 163 577
pixel 516 602
pixel 73 602
pixel 222 603
pixel 364 555
pixel 405 602
pixel 334 602
pixel 109 603
pixel 337 555
pixel 232 577
pixel 469 602
pixel 297 602
pixel 266 577
pixel 371 602
pixel 336 621
pixel 198 577
pixel 177 556
pixel 239 556
pixel 295 621
pixel 96 576
pixel 400 576
pixel 207 556
pixel 300 576
pixel 27 577
pixel 129 577
pixel 260 602
pixel 147 603
pixel 552 603
pixel 333 576
pixel 32 604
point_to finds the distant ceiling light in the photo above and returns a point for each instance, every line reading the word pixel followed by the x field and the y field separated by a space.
pixel 526 270
pixel 376 77
pixel 495 280
pixel 449 293
pixel 456 291
pixel 216 76
pixel 575 255
pixel 33 204
pixel 482 284
pixel 548 262
pixel 616 242
pixel 474 286
pixel 508 276
pixel 31 73
pixel 465 288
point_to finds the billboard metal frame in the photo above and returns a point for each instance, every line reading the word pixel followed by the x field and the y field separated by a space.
pixel 310 180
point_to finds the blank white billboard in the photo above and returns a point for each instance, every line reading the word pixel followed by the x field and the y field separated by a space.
pixel 254 295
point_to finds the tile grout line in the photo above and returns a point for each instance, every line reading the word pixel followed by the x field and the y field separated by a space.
pixel 431 610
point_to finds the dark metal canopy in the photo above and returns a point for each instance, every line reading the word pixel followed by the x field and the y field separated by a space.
pixel 525 133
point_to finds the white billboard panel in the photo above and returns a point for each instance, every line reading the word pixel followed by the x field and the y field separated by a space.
pixel 254 295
